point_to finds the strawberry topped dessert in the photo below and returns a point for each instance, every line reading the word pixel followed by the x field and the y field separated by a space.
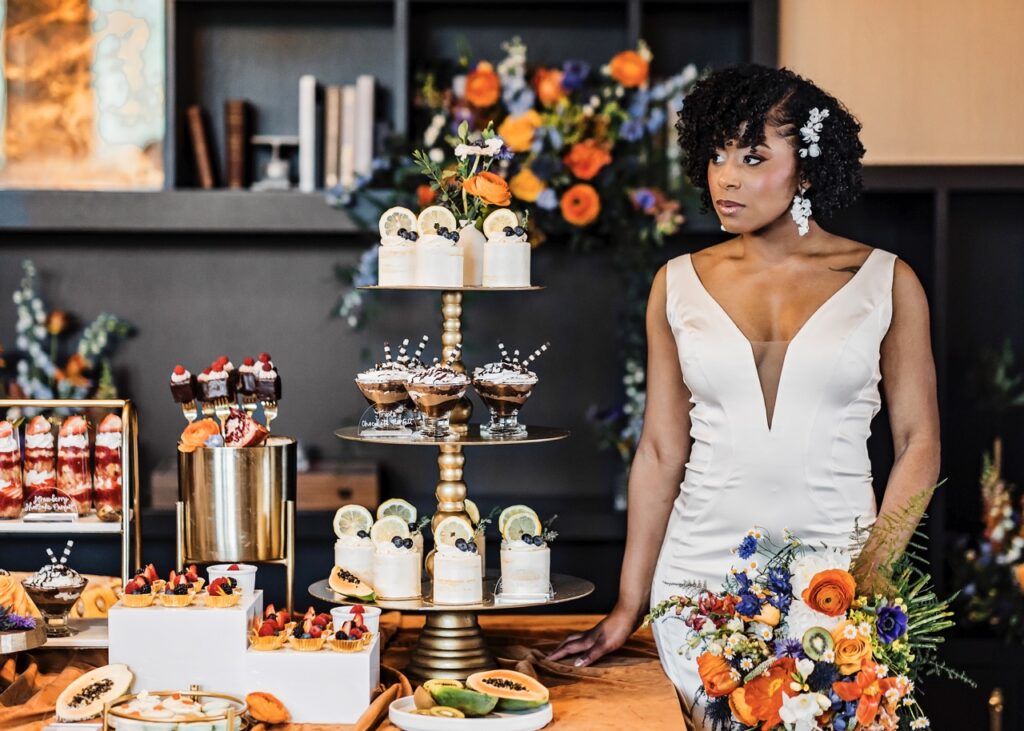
pixel 40 472
pixel 11 492
pixel 106 482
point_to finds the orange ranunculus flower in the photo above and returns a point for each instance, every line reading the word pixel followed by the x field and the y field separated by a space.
pixel 629 68
pixel 740 708
pixel 580 205
pixel 196 434
pixel 585 159
pixel 518 131
pixel 490 187
pixel 765 693
pixel 769 614
pixel 717 675
pixel 851 654
pixel 548 84
pixel 831 592
pixel 483 87
pixel 425 195
pixel 526 186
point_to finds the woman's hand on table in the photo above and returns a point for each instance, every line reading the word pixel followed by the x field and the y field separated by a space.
pixel 606 636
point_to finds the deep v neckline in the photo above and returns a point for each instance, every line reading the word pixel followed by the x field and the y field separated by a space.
pixel 771 421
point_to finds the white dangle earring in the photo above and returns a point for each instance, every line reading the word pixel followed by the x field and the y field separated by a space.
pixel 801 211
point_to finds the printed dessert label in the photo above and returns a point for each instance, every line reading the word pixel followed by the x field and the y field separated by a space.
pixel 49 500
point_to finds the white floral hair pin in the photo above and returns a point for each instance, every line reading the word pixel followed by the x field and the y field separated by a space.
pixel 810 133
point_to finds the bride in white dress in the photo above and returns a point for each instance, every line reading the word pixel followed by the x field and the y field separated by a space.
pixel 765 355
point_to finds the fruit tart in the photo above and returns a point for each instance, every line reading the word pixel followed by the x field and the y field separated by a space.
pixel 138 592
pixel 271 632
pixel 310 634
pixel 353 635
pixel 178 592
pixel 223 592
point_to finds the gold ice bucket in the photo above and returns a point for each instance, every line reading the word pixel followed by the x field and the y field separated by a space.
pixel 235 501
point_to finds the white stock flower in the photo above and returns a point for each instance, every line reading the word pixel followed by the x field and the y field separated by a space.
pixel 798 713
pixel 801 618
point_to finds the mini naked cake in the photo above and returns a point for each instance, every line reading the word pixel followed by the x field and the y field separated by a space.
pixel 439 261
pixel 507 259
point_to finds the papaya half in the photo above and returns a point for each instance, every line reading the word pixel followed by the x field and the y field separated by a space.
pixel 514 691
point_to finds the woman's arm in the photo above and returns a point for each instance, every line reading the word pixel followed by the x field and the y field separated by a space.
pixel 654 479
pixel 908 377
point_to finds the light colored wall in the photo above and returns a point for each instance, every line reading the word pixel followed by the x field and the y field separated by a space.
pixel 932 81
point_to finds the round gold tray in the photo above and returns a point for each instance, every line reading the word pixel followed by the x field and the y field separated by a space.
pixel 472 437
pixel 567 589
pixel 11 642
pixel 414 287
pixel 238 711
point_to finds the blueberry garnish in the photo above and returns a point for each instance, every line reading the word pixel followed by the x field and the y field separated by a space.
pixel 412 236
pixel 538 541
pixel 460 542
pixel 508 230
pixel 396 541
pixel 181 589
pixel 362 534
pixel 402 232
pixel 472 546
pixel 520 230
pixel 527 538
pixel 412 526
pixel 407 543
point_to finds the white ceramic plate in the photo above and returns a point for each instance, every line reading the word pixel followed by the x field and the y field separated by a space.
pixel 532 720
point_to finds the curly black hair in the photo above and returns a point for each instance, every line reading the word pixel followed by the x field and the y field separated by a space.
pixel 721 102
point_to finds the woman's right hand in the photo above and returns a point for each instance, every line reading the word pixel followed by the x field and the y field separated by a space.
pixel 606 636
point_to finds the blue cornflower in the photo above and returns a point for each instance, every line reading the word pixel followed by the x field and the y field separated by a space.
pixel 504 153
pixel 574 74
pixel 781 602
pixel 749 605
pixel 644 198
pixel 547 200
pixel 743 580
pixel 747 547
pixel 632 130
pixel 778 580
pixel 789 648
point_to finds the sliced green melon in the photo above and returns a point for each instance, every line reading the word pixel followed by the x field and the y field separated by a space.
pixel 85 697
pixel 470 702
pixel 514 691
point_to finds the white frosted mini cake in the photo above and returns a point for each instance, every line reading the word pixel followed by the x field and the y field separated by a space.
pixel 507 260
pixel 438 262
pixel 355 554
pixel 396 571
pixel 396 261
pixel 457 576
pixel 525 569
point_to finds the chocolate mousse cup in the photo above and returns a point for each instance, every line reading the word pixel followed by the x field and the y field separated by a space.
pixel 435 402
pixel 504 401
pixel 55 603
pixel 387 398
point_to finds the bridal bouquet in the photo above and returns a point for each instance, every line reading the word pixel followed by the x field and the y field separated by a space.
pixel 790 644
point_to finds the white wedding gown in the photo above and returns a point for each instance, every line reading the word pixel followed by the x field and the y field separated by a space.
pixel 808 471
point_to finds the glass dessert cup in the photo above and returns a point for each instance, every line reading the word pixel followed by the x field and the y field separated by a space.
pixel 389 401
pixel 54 603
pixel 504 401
pixel 435 404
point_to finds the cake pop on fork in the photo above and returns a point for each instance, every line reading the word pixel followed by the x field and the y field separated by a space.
pixel 183 391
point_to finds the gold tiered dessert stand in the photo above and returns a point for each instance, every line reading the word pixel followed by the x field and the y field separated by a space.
pixel 451 644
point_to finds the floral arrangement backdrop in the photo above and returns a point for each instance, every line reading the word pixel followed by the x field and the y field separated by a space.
pixel 590 151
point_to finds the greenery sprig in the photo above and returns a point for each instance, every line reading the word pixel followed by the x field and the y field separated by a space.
pixel 546 534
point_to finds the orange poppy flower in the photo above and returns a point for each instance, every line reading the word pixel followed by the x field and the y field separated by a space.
pixel 765 693
pixel 831 592
pixel 548 84
pixel 629 68
pixel 585 159
pixel 868 689
pixel 490 187
pixel 717 675
pixel 483 87
pixel 740 708
pixel 580 205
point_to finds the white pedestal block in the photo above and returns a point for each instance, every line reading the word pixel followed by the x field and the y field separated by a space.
pixel 170 649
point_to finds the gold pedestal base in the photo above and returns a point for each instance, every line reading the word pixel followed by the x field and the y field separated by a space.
pixel 450 646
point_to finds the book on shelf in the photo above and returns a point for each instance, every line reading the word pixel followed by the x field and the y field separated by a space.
pixel 236 136
pixel 347 173
pixel 308 181
pixel 365 90
pixel 332 135
pixel 200 146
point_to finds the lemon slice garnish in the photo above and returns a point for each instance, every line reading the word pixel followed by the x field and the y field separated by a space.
pixel 451 529
pixel 397 506
pixel 434 215
pixel 387 528
pixel 521 524
pixel 509 512
pixel 472 511
pixel 394 219
pixel 350 519
pixel 497 220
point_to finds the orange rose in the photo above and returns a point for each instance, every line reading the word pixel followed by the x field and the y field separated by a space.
pixel 526 186
pixel 425 195
pixel 585 159
pixel 830 592
pixel 717 675
pixel 851 653
pixel 490 187
pixel 741 709
pixel 580 205
pixel 769 615
pixel 518 131
pixel 548 83
pixel 483 87
pixel 765 693
pixel 629 68
pixel 196 434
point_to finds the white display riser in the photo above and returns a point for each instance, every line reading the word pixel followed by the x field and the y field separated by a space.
pixel 171 649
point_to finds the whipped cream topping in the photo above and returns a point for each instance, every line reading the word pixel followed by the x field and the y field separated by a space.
pixel 39 441
pixel 183 378
pixel 245 368
pixel 452 553
pixel 73 441
pixel 37 477
pixel 433 241
pixel 267 375
pixel 504 372
pixel 390 549
pixel 109 439
pixel 217 376
pixel 8 443
pixel 353 542
pixel 397 242
pixel 203 377
pixel 521 546
pixel 55 576
pixel 439 375
pixel 385 373
pixel 502 238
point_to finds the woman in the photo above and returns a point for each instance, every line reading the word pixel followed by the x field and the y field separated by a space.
pixel 764 357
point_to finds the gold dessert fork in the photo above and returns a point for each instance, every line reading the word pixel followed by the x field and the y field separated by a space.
pixel 190 410
pixel 269 411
